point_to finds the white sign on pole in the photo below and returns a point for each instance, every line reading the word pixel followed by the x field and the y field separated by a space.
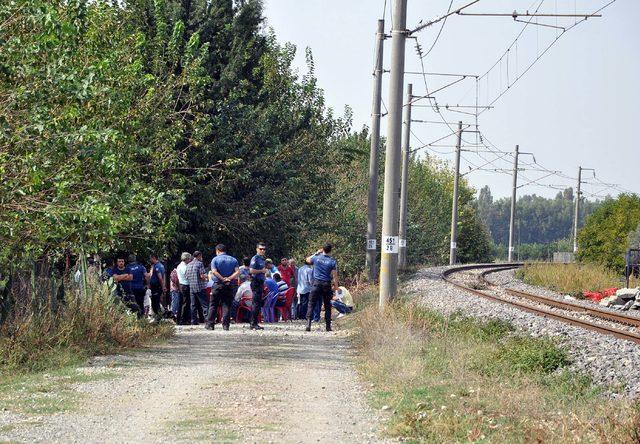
pixel 454 245
pixel 403 243
pixel 390 244
pixel 371 244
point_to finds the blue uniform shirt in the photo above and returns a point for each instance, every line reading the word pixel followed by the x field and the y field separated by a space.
pixel 158 269
pixel 138 272
pixel 323 265
pixel 224 264
pixel 258 263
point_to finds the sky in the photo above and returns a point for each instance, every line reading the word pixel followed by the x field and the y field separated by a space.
pixel 575 106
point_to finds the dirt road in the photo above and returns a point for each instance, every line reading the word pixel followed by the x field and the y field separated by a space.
pixel 280 385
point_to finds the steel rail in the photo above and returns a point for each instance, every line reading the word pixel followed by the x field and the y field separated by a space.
pixel 596 312
pixel 621 334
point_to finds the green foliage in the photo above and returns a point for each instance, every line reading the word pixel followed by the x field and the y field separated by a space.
pixel 604 238
pixel 430 199
pixel 539 220
pixel 87 134
pixel 167 125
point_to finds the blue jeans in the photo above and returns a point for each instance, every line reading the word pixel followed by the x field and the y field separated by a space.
pixel 176 299
pixel 341 307
pixel 200 296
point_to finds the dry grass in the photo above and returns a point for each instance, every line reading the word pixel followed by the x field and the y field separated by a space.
pixel 455 380
pixel 572 279
pixel 33 340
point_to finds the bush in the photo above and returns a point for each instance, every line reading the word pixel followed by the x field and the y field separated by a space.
pixel 604 238
pixel 39 338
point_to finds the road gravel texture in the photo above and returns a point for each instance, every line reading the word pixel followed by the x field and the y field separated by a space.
pixel 278 385
pixel 610 362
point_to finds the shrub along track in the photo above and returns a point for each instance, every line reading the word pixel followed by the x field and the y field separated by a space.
pixel 493 292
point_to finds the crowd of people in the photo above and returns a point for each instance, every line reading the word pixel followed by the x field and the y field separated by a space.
pixel 194 294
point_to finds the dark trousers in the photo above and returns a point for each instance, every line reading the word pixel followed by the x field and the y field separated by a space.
pixel 198 297
pixel 156 294
pixel 257 287
pixel 184 312
pixel 138 294
pixel 221 294
pixel 302 306
pixel 321 291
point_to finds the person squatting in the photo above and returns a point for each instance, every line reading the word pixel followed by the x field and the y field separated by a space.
pixel 229 288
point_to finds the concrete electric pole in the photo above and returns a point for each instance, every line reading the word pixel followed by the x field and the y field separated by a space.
pixel 404 181
pixel 453 253
pixel 390 203
pixel 512 217
pixel 576 214
pixel 374 156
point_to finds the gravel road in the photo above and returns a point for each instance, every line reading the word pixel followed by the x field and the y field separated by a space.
pixel 609 361
pixel 279 385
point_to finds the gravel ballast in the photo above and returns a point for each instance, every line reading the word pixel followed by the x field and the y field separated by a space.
pixel 610 362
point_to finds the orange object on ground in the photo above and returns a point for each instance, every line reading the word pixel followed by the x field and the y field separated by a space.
pixel 609 292
pixel 593 296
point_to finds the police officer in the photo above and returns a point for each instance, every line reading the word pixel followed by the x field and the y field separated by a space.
pixel 257 269
pixel 138 276
pixel 325 282
pixel 225 271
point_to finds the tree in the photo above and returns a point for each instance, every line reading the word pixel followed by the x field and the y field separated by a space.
pixel 605 236
pixel 87 135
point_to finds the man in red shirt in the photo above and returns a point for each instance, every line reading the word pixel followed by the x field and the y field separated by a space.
pixel 286 271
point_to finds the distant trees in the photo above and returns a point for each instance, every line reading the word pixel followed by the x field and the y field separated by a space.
pixel 606 235
pixel 539 220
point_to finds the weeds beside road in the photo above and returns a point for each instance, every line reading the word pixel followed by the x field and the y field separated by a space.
pixel 571 279
pixel 453 379
pixel 47 338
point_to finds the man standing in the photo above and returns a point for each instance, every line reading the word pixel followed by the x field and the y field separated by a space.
pixel 184 312
pixel 138 277
pixel 305 276
pixel 325 281
pixel 157 284
pixel 257 269
pixel 293 284
pixel 285 272
pixel 225 271
pixel 122 279
pixel 197 278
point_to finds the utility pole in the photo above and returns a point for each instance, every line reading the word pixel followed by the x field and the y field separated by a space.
pixel 453 253
pixel 404 181
pixel 512 218
pixel 389 246
pixel 374 156
pixel 576 214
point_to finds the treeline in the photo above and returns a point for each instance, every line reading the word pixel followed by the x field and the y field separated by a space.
pixel 166 125
pixel 540 221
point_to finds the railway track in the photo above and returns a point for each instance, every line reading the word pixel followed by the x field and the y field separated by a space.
pixel 490 292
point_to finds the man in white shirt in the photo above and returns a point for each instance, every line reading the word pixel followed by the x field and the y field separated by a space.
pixel 184 313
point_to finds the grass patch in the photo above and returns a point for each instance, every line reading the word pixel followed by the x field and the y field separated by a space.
pixel 33 341
pixel 45 393
pixel 572 279
pixel 454 379
pixel 203 425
